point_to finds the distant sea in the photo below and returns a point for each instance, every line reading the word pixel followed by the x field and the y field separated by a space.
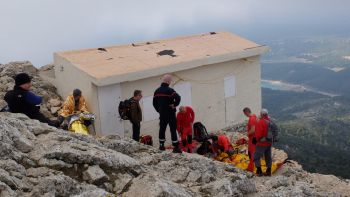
pixel 279 85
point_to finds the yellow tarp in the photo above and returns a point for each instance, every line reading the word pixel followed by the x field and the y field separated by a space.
pixel 79 127
pixel 242 161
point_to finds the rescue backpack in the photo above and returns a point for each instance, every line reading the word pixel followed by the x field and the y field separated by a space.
pixel 272 131
pixel 205 148
pixel 124 109
pixel 146 139
pixel 200 132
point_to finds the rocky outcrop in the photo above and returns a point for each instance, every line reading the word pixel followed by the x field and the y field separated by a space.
pixel 51 100
pixel 38 160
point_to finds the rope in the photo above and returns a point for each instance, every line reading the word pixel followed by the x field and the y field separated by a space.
pixel 209 81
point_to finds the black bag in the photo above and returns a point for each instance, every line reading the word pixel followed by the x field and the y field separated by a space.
pixel 205 148
pixel 200 132
pixel 124 109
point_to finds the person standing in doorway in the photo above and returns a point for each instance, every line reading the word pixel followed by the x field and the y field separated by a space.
pixel 136 114
pixel 165 101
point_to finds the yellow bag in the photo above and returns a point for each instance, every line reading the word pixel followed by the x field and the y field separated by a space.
pixel 242 161
pixel 79 127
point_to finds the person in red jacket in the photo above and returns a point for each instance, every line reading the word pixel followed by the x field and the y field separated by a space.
pixel 221 143
pixel 251 126
pixel 263 146
pixel 184 120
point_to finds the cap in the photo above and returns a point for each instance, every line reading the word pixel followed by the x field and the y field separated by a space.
pixel 76 92
pixel 264 112
pixel 22 78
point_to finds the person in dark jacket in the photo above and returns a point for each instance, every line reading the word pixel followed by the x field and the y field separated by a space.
pixel 165 101
pixel 136 114
pixel 22 100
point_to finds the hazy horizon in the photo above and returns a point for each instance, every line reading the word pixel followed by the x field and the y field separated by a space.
pixel 33 29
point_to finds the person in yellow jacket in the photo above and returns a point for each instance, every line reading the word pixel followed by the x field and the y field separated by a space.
pixel 74 104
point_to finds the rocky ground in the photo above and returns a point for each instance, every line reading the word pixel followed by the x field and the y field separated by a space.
pixel 39 160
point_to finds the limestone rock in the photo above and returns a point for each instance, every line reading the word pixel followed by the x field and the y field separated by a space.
pixel 227 187
pixel 278 181
pixel 95 193
pixel 121 182
pixel 5 190
pixel 54 110
pixel 41 172
pixel 40 86
pixel 94 174
pixel 152 186
pixel 59 185
pixel 54 102
pixel 23 144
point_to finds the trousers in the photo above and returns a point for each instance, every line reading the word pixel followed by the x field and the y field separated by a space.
pixel 165 120
pixel 260 152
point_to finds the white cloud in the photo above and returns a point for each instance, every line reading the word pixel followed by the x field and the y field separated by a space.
pixel 34 29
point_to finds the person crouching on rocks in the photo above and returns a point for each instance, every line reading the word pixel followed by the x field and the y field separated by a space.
pixel 184 120
pixel 22 100
pixel 74 104
pixel 221 143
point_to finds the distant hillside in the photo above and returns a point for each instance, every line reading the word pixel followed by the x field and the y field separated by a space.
pixel 325 51
pixel 314 129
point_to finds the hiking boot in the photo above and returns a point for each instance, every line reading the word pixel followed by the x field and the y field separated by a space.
pixel 259 171
pixel 268 172
pixel 177 149
pixel 162 147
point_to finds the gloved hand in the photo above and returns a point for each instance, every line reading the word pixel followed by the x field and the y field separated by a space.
pixel 254 141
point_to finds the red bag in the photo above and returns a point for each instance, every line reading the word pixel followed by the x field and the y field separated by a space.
pixel 241 141
pixel 146 139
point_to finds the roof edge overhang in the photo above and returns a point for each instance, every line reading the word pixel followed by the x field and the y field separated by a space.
pixel 171 68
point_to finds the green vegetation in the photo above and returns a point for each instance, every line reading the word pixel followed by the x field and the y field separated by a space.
pixel 315 129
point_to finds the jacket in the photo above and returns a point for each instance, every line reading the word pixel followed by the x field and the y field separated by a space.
pixel 262 131
pixel 163 97
pixel 185 119
pixel 68 108
pixel 135 111
pixel 23 101
pixel 223 144
pixel 253 121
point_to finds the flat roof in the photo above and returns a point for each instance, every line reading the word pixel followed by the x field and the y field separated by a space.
pixel 115 64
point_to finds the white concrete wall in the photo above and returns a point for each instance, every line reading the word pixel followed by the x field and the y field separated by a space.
pixel 208 94
pixel 109 98
pixel 68 77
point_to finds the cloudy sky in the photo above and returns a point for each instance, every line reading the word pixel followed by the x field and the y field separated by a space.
pixel 34 29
